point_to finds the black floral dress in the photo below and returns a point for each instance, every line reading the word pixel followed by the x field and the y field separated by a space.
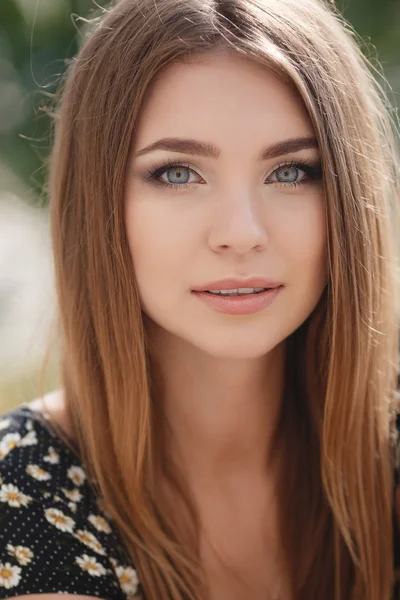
pixel 55 536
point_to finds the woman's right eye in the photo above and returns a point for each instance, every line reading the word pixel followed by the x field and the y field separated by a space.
pixel 173 175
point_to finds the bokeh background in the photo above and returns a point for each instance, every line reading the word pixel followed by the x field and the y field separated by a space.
pixel 37 38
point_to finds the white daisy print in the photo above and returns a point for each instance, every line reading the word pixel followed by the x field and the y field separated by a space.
pixel 57 498
pixel 114 563
pixel 29 425
pixel 11 440
pixel 8 443
pixel 52 456
pixel 73 495
pixel 90 564
pixel 4 423
pixel 29 439
pixel 22 554
pixel 46 494
pixel 72 506
pixel 38 473
pixel 10 493
pixel 58 519
pixel 128 579
pixel 77 475
pixel 89 540
pixel 99 523
pixel 9 575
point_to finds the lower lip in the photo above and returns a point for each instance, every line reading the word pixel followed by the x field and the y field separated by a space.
pixel 239 305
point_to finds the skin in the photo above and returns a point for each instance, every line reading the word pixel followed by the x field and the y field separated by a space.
pixel 224 373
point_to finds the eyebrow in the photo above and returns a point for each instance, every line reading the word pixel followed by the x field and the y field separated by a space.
pixel 190 146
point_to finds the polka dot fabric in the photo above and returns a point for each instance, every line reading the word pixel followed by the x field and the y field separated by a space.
pixel 54 537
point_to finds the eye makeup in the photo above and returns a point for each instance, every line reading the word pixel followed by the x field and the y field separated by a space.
pixel 312 173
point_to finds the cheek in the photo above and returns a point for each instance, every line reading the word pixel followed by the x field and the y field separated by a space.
pixel 160 238
pixel 301 238
pixel 306 255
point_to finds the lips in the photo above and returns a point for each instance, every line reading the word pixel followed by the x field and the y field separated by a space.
pixel 231 283
pixel 239 304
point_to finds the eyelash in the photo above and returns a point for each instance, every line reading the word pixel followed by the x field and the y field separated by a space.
pixel 312 171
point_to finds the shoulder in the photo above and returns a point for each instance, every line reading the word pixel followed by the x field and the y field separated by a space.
pixel 54 537
pixel 53 405
pixel 32 455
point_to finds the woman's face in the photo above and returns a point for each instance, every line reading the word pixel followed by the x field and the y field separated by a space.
pixel 235 208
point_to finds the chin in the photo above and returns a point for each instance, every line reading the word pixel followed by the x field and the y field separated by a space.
pixel 230 349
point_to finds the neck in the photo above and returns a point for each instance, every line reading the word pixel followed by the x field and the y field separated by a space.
pixel 222 413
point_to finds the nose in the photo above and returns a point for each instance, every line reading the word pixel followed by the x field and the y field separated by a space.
pixel 237 223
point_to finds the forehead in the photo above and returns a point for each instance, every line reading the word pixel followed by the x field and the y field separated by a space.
pixel 221 98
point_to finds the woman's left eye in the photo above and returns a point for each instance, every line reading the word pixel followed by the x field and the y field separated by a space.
pixel 287 174
pixel 295 174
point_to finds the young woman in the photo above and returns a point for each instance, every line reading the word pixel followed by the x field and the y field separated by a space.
pixel 222 197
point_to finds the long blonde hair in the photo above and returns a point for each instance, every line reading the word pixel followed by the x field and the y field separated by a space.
pixel 337 490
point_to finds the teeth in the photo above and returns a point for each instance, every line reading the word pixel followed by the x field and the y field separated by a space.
pixel 237 292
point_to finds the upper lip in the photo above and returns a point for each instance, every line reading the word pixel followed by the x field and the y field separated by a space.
pixel 232 284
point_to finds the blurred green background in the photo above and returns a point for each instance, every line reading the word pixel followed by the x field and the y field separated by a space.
pixel 37 37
